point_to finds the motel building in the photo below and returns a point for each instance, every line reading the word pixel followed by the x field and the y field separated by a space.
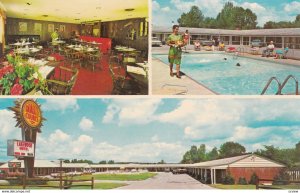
pixel 210 172
pixel 286 37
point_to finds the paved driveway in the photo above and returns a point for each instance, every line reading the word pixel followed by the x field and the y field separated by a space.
pixel 168 181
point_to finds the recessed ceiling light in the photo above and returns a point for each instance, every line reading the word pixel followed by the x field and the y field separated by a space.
pixel 129 9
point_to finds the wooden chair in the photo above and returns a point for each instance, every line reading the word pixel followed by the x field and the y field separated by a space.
pixel 94 59
pixel 62 83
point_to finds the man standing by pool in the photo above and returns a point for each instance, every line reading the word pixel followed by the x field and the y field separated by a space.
pixel 175 41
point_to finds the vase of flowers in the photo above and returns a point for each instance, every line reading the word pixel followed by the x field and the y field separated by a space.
pixel 19 77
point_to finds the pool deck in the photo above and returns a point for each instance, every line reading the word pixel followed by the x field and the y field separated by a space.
pixel 164 84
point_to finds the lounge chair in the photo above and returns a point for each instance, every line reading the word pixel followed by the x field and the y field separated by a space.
pixel 281 54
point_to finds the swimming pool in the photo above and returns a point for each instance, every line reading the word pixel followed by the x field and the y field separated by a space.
pixel 224 77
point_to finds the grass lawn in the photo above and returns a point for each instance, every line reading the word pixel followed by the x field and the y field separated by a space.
pixel 96 186
pixel 120 177
pixel 235 186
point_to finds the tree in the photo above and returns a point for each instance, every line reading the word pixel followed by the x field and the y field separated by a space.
pixel 297 151
pixel 230 149
pixel 111 162
pixel 194 18
pixel 213 154
pixel 67 161
pixel 162 162
pixel 234 17
pixel 201 152
pixel 102 162
pixel 187 159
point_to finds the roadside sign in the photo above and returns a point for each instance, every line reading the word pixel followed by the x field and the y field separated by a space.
pixel 20 148
pixel 14 164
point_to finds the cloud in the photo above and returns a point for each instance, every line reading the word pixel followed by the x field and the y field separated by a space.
pixel 143 152
pixel 166 9
pixel 292 8
pixel 255 7
pixel 7 125
pixel 82 145
pixel 155 6
pixel 61 104
pixel 86 124
pixel 62 145
pixel 137 111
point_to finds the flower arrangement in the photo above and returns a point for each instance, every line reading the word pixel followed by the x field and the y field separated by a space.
pixel 19 77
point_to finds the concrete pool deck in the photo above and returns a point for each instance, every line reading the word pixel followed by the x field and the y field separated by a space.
pixel 163 84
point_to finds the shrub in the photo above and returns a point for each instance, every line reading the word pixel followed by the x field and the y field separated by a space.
pixel 281 179
pixel 228 179
pixel 242 181
pixel 19 181
pixel 253 179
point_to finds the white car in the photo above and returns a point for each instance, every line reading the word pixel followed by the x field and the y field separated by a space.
pixel 156 42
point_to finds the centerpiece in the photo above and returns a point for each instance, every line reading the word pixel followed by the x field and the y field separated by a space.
pixel 19 77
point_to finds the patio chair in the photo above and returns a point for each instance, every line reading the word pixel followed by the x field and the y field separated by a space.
pixel 63 82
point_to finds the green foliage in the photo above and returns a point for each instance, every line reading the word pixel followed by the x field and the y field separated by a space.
pixel 230 17
pixel 19 181
pixel 283 24
pixel 161 162
pixel 230 149
pixel 213 154
pixel 285 156
pixel 242 181
pixel 228 179
pixel 111 162
pixel 102 162
pixel 195 154
pixel 194 18
pixel 281 179
pixel 81 161
pixel 253 179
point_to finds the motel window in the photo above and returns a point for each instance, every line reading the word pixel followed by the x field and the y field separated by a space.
pixel 236 40
pixel 225 39
pixel 277 41
pixel 292 42
pixel 246 40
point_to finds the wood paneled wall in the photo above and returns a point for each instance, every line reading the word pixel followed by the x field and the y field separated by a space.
pixel 119 31
pixel 12 28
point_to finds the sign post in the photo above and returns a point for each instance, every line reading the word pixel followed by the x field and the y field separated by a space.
pixel 29 118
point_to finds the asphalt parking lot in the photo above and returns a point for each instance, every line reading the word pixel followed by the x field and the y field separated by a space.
pixel 168 181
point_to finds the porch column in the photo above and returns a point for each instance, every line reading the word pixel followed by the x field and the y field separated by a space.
pixel 282 40
pixel 205 175
pixel 230 40
pixel 211 176
pixel 249 40
pixel 215 176
pixel 265 39
pixel 242 41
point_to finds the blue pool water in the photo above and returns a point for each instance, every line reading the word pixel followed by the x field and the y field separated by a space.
pixel 224 77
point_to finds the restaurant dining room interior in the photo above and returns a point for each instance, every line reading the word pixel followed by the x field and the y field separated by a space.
pixel 74 47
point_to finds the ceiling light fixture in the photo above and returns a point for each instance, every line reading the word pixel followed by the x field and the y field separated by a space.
pixel 129 9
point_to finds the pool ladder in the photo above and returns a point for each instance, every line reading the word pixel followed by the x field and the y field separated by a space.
pixel 281 86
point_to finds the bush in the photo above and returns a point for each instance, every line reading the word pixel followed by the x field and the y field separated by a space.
pixel 228 179
pixel 242 181
pixel 253 179
pixel 281 179
pixel 19 181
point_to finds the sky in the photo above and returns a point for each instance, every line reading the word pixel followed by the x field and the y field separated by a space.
pixel 153 129
pixel 166 11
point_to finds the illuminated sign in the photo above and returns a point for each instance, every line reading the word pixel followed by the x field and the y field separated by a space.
pixel 28 114
pixel 31 113
pixel 14 164
pixel 20 148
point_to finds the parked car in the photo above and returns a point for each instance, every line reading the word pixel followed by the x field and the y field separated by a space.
pixel 156 42
pixel 179 171
pixel 257 43
pixel 3 174
pixel 207 42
